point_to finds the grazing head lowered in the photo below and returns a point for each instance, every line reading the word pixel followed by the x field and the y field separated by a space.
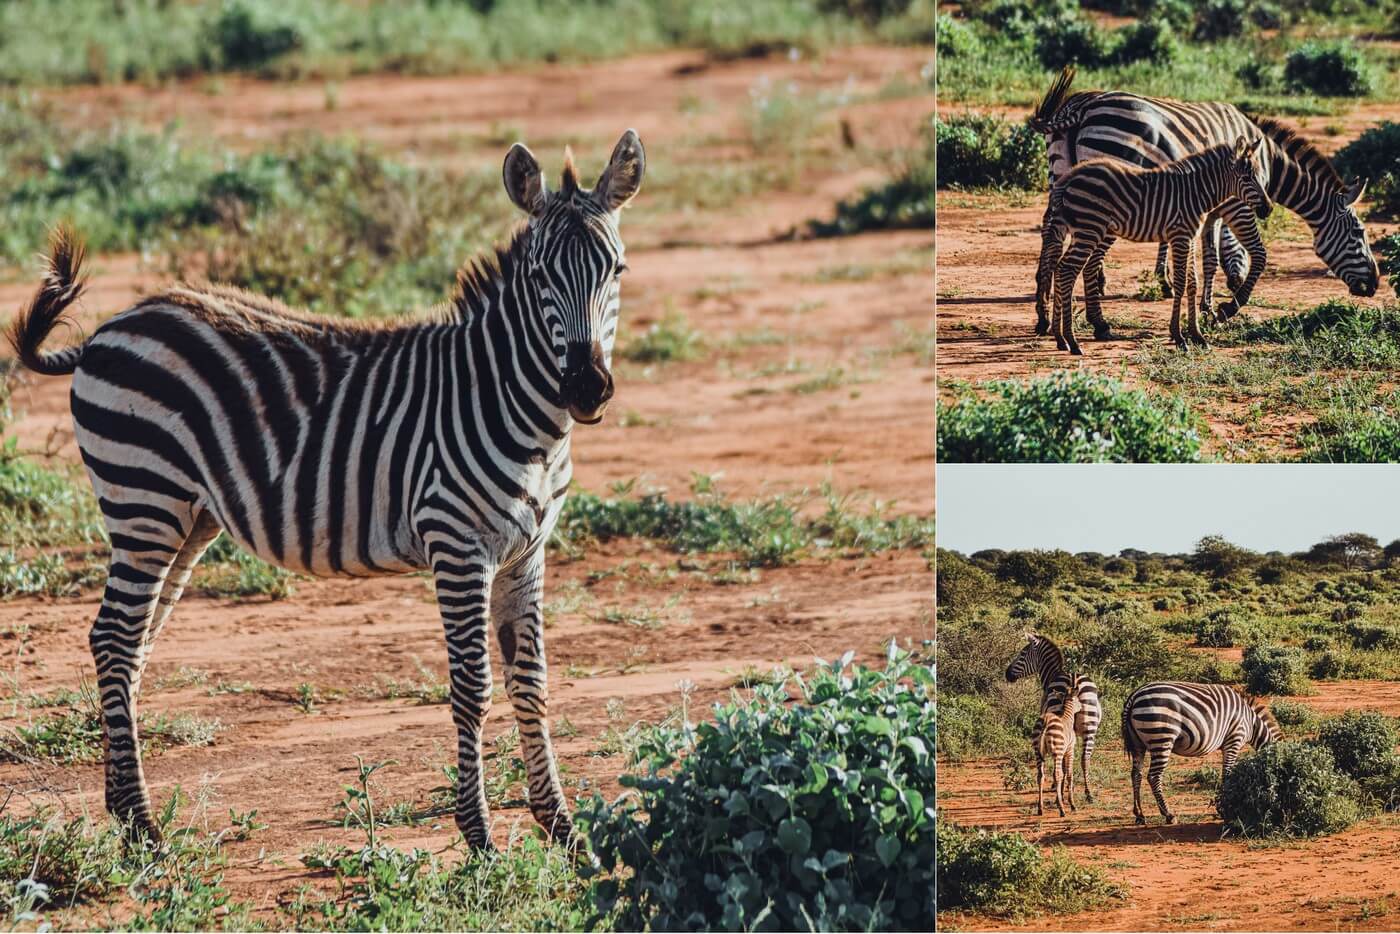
pixel 574 259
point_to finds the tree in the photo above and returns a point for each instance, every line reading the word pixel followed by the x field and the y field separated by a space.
pixel 1218 557
pixel 1352 550
pixel 1392 552
pixel 1037 570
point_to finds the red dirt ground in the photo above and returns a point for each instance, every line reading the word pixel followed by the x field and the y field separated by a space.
pixel 1184 876
pixel 871 436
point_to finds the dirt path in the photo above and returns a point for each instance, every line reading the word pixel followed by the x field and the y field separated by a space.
pixel 985 297
pixel 817 367
pixel 1184 876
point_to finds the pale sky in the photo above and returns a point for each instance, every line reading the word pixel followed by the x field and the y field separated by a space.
pixel 1162 507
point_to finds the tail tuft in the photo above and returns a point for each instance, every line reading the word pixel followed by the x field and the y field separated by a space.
pixel 1042 121
pixel 62 286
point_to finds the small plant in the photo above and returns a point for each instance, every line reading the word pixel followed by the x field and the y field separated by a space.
pixel 1362 742
pixel 1330 69
pixel 1274 669
pixel 905 201
pixel 987 151
pixel 670 340
pixel 1004 873
pixel 1292 715
pixel 762 804
pixel 1288 789
pixel 306 697
pixel 1068 417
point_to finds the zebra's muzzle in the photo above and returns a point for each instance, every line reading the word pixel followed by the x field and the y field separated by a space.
pixel 588 383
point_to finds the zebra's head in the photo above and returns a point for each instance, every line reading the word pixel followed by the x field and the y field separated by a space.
pixel 575 259
pixel 1340 240
pixel 1249 176
pixel 1027 661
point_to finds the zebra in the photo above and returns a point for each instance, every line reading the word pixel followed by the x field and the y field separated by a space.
pixel 1057 743
pixel 1041 657
pixel 1188 719
pixel 1150 132
pixel 340 448
pixel 1101 200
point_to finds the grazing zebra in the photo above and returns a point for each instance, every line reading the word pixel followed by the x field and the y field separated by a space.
pixel 1043 658
pixel 1057 744
pixel 1150 132
pixel 347 449
pixel 1103 200
pixel 1190 720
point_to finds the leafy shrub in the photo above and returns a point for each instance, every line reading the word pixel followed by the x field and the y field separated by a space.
pixel 905 201
pixel 1149 40
pixel 1003 873
pixel 954 37
pixel 960 585
pixel 1330 69
pixel 1288 789
pixel 1274 669
pixel 1362 742
pixel 1340 665
pixel 1130 651
pixel 973 655
pixel 1375 155
pixel 1221 19
pixel 988 151
pixel 817 813
pixel 1291 714
pixel 969 725
pixel 1365 635
pixel 1037 569
pixel 1220 629
pixel 1068 417
pixel 244 36
pixel 1070 39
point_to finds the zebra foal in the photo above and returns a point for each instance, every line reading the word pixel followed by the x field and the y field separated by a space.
pixel 1056 743
pixel 1100 201
pixel 1189 719
pixel 1043 658
pixel 346 449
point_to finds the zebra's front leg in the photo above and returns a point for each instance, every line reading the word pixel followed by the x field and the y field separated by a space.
pixel 463 577
pixel 1066 274
pixel 1159 269
pixel 1060 784
pixel 1240 221
pixel 1052 242
pixel 1069 772
pixel 1138 817
pixel 1094 283
pixel 1208 256
pixel 515 612
pixel 1181 257
pixel 1082 728
pixel 1155 769
pixel 1039 784
pixel 1193 279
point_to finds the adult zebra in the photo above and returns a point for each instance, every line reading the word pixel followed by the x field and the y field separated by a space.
pixel 348 449
pixel 1150 132
pixel 1188 719
pixel 1039 656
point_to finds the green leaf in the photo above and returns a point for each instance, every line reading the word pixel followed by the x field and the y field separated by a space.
pixel 795 836
pixel 887 848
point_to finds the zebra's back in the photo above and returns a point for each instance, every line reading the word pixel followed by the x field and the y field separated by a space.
pixel 1190 719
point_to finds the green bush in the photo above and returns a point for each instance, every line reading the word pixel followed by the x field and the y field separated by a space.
pixel 1068 417
pixel 995 872
pixel 969 725
pixel 954 37
pixel 1362 742
pixel 1330 69
pixel 1288 789
pixel 1291 714
pixel 779 814
pixel 960 585
pixel 1150 40
pixel 905 201
pixel 1070 39
pixel 1375 155
pixel 1274 669
pixel 243 36
pixel 1220 629
pixel 987 151
pixel 1037 569
pixel 1221 19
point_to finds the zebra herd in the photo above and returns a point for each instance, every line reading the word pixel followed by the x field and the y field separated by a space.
pixel 345 449
pixel 1159 719
pixel 1120 164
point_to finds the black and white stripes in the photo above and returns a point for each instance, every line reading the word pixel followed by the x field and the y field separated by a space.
pixel 1168 717
pixel 346 449
pixel 1100 201
pixel 1043 658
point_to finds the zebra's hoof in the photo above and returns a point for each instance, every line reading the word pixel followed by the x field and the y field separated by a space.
pixel 1171 818
pixel 1199 340
pixel 1140 820
pixel 1060 344
pixel 1088 798
pixel 1226 310
pixel 1103 332
pixel 1180 342
pixel 1042 328
pixel 1075 351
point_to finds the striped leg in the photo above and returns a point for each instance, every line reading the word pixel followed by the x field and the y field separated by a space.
pixel 1039 781
pixel 1060 784
pixel 1069 771
pixel 1160 756
pixel 1094 283
pixel 1090 734
pixel 119 642
pixel 1138 756
pixel 1193 280
pixel 1209 255
pixel 1159 269
pixel 515 612
pixel 205 530
pixel 1066 274
pixel 1233 259
pixel 1181 258
pixel 463 583
pixel 1052 242
pixel 1240 221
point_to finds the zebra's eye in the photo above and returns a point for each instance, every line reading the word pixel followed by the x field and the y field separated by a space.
pixel 621 268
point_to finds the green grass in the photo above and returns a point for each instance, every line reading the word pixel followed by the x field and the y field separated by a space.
pixel 226 570
pixel 669 340
pixel 75 734
pixel 149 40
pixel 905 201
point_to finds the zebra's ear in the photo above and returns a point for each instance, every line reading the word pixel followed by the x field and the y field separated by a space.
pixel 1354 192
pixel 622 179
pixel 524 182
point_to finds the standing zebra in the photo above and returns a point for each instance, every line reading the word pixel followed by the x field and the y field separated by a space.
pixel 348 449
pixel 1043 658
pixel 1057 744
pixel 1102 200
pixel 1190 720
pixel 1150 132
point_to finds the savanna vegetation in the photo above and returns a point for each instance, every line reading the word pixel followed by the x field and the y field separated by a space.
pixel 1271 624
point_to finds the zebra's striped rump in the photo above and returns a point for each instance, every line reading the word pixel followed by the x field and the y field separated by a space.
pixel 339 448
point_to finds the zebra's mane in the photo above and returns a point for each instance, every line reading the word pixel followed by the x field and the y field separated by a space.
pixel 479 277
pixel 1261 709
pixel 1298 148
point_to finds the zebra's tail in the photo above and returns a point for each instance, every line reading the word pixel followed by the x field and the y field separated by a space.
pixel 1043 120
pixel 63 284
pixel 1131 742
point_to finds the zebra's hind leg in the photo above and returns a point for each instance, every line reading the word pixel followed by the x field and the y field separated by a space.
pixel 1181 258
pixel 1084 755
pixel 1066 274
pixel 1059 773
pixel 1138 817
pixel 463 581
pixel 1155 768
pixel 202 535
pixel 1052 242
pixel 120 641
pixel 1233 258
pixel 515 612
pixel 1193 279
pixel 1159 269
pixel 1039 783
pixel 1094 282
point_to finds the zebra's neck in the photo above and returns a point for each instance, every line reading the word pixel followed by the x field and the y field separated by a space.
pixel 1295 185
pixel 1052 666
